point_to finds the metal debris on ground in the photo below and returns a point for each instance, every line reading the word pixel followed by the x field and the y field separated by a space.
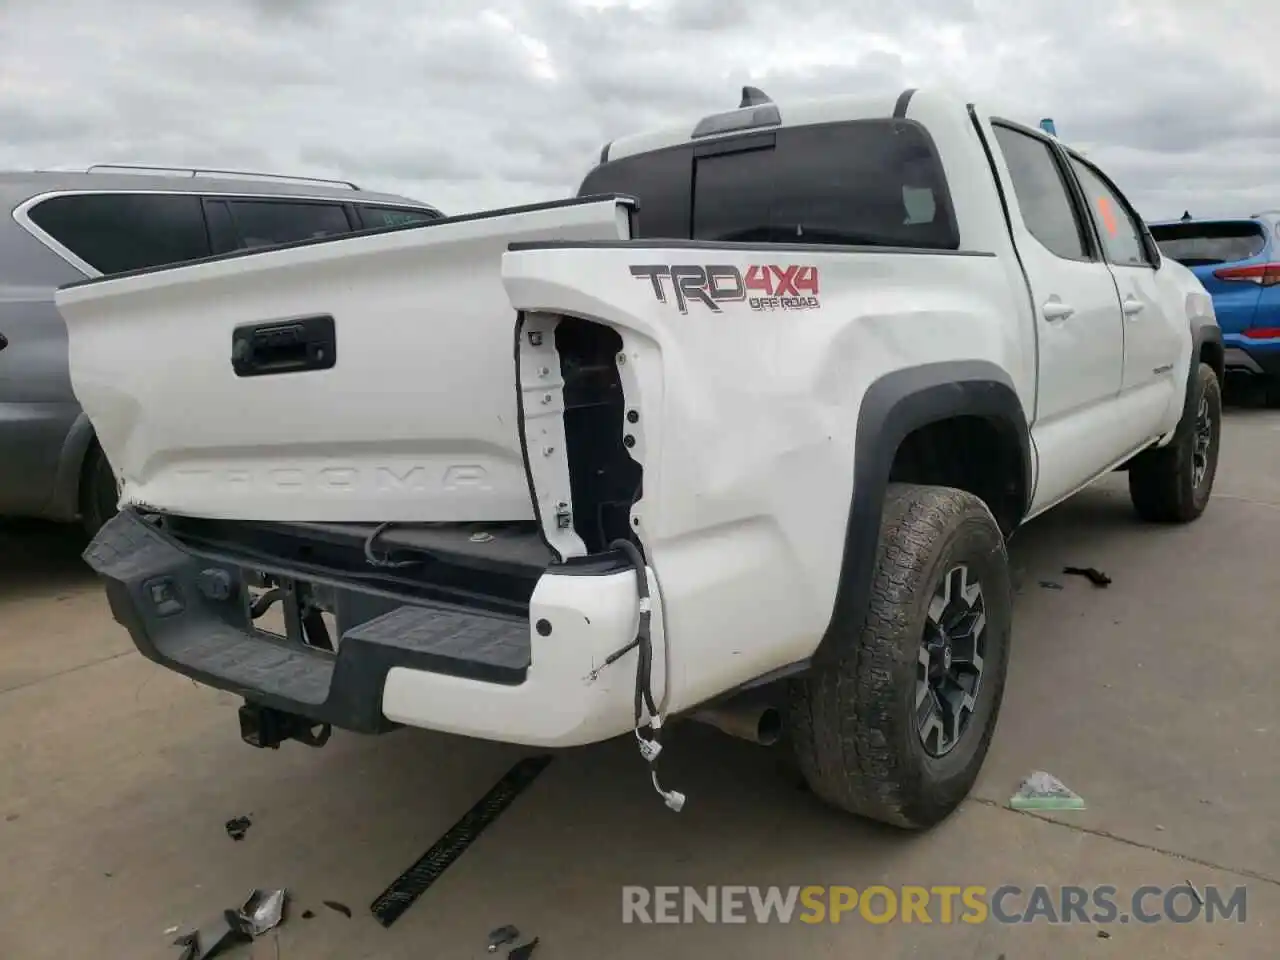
pixel 237 827
pixel 1103 935
pixel 524 951
pixel 262 912
pixel 341 908
pixel 1050 585
pixel 502 936
pixel 1092 574
pixel 213 938
pixel 1043 791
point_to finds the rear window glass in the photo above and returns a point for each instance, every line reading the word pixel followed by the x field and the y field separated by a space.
pixel 1196 244
pixel 114 232
pixel 874 182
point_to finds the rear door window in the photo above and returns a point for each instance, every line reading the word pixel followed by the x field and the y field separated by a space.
pixel 864 182
pixel 373 217
pixel 1041 190
pixel 1198 244
pixel 267 223
pixel 115 232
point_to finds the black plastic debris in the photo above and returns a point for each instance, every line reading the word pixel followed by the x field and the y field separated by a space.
pixel 502 936
pixel 308 914
pixel 524 951
pixel 1050 585
pixel 1103 935
pixel 237 827
pixel 341 908
pixel 389 905
pixel 1092 574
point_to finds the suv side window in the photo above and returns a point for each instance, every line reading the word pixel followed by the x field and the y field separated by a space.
pixel 373 217
pixel 1121 235
pixel 266 223
pixel 114 232
pixel 1042 193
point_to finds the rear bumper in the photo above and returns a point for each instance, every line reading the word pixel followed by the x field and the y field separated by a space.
pixel 1261 358
pixel 401 659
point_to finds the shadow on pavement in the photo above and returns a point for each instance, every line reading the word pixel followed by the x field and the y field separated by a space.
pixel 40 557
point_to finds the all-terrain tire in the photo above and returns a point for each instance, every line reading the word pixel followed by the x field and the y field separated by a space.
pixel 1172 484
pixel 853 719
pixel 99 492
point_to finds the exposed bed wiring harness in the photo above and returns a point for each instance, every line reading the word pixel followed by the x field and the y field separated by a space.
pixel 648 719
pixel 384 562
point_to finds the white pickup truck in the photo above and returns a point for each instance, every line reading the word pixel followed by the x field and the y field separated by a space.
pixel 806 367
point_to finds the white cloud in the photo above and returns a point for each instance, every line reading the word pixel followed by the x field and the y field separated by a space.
pixel 468 104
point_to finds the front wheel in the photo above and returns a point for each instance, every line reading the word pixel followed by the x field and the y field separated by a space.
pixel 895 727
pixel 1172 484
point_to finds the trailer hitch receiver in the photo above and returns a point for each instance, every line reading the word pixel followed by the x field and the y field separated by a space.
pixel 267 728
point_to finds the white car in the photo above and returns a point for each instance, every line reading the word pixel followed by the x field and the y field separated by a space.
pixel 805 367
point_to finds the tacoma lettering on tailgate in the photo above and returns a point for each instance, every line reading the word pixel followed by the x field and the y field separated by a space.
pixel 763 287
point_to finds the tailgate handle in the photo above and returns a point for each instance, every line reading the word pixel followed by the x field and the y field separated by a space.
pixel 284 346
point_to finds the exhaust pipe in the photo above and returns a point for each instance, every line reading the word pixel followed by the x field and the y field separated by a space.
pixel 757 722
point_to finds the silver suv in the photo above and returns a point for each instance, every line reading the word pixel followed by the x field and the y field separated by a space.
pixel 59 227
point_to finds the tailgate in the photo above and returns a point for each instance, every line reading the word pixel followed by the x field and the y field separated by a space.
pixel 369 378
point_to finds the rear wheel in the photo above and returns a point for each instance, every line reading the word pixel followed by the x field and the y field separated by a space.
pixel 897 725
pixel 1173 484
pixel 99 491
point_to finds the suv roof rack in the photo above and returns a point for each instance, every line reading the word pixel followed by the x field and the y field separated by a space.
pixel 138 168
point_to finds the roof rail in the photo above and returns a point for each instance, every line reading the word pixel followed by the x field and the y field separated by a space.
pixel 143 169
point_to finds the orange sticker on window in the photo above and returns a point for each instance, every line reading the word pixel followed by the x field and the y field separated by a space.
pixel 1108 217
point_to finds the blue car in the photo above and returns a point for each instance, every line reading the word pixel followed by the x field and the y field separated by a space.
pixel 1238 261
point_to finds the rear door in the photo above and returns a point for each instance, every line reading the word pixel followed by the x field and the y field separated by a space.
pixel 1220 253
pixel 1080 335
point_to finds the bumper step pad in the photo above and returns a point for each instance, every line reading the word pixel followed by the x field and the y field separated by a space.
pixel 153 585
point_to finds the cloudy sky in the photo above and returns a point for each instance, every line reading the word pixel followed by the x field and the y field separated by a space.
pixel 475 103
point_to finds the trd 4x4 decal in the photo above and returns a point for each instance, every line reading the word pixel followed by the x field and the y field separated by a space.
pixel 763 287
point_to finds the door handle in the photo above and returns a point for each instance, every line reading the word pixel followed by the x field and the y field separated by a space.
pixel 1055 309
pixel 1131 306
pixel 284 346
